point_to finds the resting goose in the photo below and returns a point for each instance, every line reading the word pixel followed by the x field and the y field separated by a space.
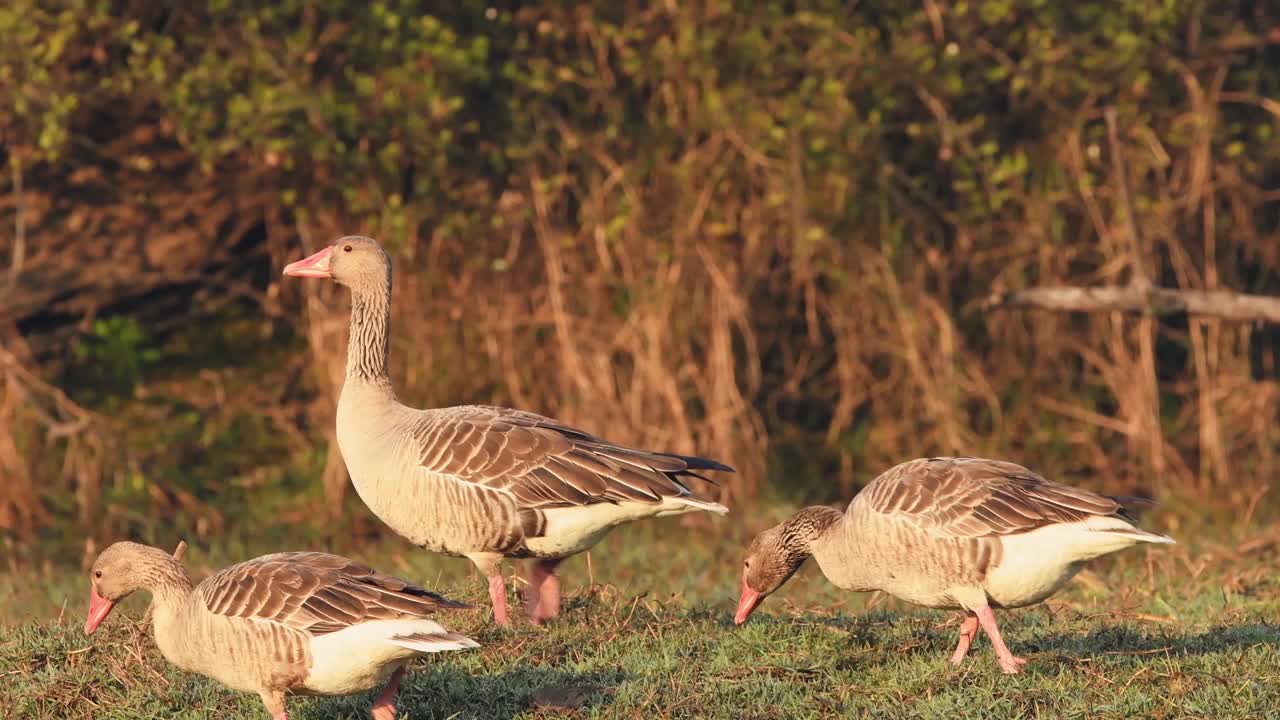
pixel 968 534
pixel 477 481
pixel 305 623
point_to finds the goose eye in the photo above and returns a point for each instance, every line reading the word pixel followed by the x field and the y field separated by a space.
pixel 346 248
pixel 97 573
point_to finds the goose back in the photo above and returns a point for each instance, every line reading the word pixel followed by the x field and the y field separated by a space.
pixel 977 497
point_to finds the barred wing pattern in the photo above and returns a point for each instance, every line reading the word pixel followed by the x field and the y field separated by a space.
pixel 545 464
pixel 315 593
pixel 976 497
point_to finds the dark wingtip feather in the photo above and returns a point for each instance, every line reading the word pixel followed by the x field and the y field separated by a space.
pixel 689 473
pixel 699 463
pixel 1133 501
pixel 1132 507
pixel 437 598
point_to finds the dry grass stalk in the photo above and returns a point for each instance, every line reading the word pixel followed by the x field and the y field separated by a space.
pixel 36 420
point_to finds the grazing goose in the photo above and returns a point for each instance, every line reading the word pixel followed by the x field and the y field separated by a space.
pixel 477 481
pixel 959 533
pixel 305 623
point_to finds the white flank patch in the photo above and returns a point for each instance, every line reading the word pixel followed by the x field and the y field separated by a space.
pixel 363 656
pixel 1036 564
pixel 571 530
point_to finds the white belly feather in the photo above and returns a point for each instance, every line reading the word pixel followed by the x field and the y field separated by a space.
pixel 572 530
pixel 1036 564
pixel 363 656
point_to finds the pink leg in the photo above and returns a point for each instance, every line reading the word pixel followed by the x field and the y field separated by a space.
pixel 498 595
pixel 274 700
pixel 968 631
pixel 384 708
pixel 1008 662
pixel 542 599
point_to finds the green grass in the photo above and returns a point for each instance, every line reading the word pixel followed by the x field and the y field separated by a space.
pixel 1188 631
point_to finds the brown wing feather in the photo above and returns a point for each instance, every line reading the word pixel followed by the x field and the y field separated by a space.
pixel 315 592
pixel 976 497
pixel 545 464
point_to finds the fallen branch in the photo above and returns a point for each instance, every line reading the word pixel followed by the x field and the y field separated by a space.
pixel 1157 301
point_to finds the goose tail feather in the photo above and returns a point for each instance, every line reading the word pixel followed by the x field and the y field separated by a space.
pixel 434 642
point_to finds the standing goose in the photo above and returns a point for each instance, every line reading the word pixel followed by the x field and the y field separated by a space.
pixel 477 481
pixel 967 534
pixel 305 623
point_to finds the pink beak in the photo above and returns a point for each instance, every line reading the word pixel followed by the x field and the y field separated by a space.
pixel 99 608
pixel 748 603
pixel 315 266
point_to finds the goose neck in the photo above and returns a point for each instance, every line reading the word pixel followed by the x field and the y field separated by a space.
pixel 170 590
pixel 368 343
pixel 806 529
pixel 167 580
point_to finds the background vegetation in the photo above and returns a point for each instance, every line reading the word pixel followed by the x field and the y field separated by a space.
pixel 747 230
pixel 760 231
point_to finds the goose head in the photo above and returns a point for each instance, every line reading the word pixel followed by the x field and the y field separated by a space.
pixel 772 559
pixel 125 568
pixel 354 261
pixel 777 553
pixel 117 573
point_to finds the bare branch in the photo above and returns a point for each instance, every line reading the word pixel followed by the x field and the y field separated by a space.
pixel 1157 301
pixel 19 225
pixel 1139 276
